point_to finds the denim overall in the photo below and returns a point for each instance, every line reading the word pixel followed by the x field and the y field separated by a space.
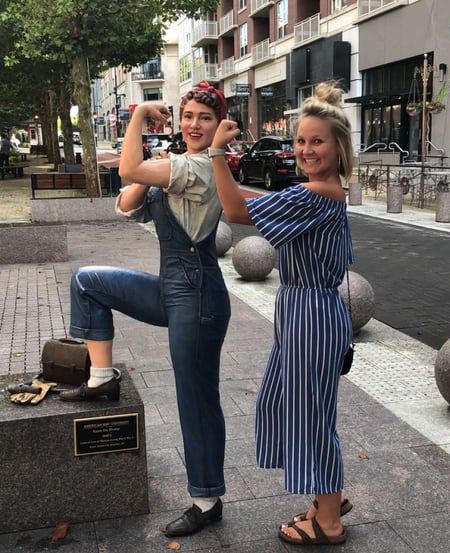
pixel 190 298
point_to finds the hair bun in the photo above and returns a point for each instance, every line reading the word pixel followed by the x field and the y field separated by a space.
pixel 204 85
pixel 329 92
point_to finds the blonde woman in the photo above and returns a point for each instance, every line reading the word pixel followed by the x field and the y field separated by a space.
pixel 307 224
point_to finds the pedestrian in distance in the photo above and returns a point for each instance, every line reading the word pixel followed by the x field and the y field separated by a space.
pixel 5 150
pixel 189 297
pixel 307 224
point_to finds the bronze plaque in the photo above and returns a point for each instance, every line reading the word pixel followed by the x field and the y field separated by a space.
pixel 106 434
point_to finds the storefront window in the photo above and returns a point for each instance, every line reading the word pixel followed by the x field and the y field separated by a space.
pixel 396 124
pixel 273 105
pixel 382 125
pixel 238 111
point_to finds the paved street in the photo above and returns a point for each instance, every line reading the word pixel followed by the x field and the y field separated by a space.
pixel 409 269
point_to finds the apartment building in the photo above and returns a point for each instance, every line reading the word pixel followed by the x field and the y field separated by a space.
pixel 267 55
pixel 117 92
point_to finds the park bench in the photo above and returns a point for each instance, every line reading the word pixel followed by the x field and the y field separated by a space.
pixel 14 171
pixel 38 150
pixel 68 181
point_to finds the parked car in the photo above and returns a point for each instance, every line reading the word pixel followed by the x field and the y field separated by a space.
pixel 178 145
pixel 234 151
pixel 159 147
pixel 270 162
pixel 154 144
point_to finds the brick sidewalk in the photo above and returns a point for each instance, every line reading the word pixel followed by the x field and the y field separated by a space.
pixel 395 475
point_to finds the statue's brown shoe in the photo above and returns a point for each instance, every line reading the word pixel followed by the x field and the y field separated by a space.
pixel 110 389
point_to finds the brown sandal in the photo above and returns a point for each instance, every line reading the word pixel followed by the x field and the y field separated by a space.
pixel 320 537
pixel 346 507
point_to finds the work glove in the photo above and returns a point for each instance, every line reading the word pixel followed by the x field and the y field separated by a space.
pixel 38 391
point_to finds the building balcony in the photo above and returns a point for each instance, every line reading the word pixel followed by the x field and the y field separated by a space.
pixel 147 76
pixel 307 30
pixel 206 72
pixel 204 32
pixel 227 68
pixel 262 52
pixel 227 24
pixel 260 8
pixel 371 8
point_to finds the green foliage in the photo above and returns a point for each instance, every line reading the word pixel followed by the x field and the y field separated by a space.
pixel 442 93
pixel 116 32
pixel 85 36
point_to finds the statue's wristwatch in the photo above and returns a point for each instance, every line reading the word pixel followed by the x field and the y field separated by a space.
pixel 212 152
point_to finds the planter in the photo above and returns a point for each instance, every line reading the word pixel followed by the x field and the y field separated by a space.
pixel 65 210
pixel 435 107
pixel 412 109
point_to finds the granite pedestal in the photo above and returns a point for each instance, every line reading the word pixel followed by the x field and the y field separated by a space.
pixel 33 243
pixel 55 469
pixel 66 210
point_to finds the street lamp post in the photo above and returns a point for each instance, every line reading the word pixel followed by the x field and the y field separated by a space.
pixel 425 73
pixel 36 127
pixel 117 101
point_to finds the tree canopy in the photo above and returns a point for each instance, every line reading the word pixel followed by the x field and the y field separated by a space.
pixel 86 36
pixel 116 32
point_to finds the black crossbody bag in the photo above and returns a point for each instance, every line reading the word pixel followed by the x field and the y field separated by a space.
pixel 348 359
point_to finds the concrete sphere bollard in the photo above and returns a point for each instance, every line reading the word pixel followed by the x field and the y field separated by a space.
pixel 254 258
pixel 442 370
pixel 362 299
pixel 224 239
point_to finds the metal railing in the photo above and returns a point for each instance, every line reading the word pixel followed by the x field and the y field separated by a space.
pixel 307 29
pixel 258 5
pixel 367 7
pixel 262 52
pixel 227 68
pixel 226 23
pixel 420 182
pixel 204 30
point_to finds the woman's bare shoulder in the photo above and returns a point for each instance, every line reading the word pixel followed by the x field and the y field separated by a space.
pixel 332 190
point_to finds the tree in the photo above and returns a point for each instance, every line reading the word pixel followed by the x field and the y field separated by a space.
pixel 88 35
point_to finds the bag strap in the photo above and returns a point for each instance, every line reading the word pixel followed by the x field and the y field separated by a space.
pixel 350 306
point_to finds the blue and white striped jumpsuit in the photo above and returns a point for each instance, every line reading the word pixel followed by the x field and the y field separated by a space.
pixel 296 406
